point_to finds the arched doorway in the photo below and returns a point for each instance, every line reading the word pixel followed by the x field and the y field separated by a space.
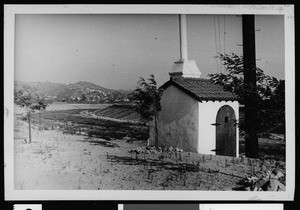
pixel 226 131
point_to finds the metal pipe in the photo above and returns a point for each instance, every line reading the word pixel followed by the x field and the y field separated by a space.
pixel 183 37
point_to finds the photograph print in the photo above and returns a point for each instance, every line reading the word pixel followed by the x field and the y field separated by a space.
pixel 178 102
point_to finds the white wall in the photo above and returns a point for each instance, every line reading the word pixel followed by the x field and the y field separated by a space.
pixel 246 206
pixel 207 132
pixel 177 121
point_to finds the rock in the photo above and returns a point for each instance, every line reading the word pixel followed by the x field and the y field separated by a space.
pixel 126 138
pixel 274 136
pixel 277 174
pixel 252 179
pixel 259 184
pixel 133 151
pixel 177 149
pixel 274 185
pixel 161 157
pixel 267 182
pixel 139 150
pixel 170 149
pixel 153 151
pixel 247 189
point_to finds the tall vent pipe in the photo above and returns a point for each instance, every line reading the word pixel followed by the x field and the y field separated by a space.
pixel 183 37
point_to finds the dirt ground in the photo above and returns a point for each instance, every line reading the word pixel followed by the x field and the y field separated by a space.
pixel 57 161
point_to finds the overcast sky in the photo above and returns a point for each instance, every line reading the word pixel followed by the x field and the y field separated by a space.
pixel 115 50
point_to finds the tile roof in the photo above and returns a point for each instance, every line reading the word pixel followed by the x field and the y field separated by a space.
pixel 201 89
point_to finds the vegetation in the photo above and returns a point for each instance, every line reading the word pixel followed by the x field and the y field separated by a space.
pixel 26 97
pixel 70 121
pixel 122 112
pixel 80 92
pixel 146 98
pixel 270 92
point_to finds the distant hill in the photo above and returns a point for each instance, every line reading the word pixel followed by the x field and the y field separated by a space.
pixel 88 86
pixel 80 91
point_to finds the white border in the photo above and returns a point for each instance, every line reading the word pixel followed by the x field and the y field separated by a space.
pixel 244 206
pixel 229 206
pixel 9 26
pixel 120 206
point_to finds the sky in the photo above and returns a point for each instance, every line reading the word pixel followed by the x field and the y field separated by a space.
pixel 114 51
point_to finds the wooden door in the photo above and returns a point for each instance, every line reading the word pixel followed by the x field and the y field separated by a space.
pixel 226 131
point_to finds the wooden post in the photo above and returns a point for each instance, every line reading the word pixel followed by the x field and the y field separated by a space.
pixel 29 126
pixel 40 120
pixel 250 100
pixel 156 130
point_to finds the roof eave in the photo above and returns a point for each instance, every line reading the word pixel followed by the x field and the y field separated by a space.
pixel 193 95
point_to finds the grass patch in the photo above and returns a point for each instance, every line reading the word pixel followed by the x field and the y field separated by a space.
pixel 70 121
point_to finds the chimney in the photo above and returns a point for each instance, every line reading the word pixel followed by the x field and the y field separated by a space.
pixel 184 67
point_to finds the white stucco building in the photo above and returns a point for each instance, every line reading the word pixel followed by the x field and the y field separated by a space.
pixel 197 115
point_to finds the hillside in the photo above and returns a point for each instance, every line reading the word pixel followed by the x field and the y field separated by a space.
pixel 118 112
pixel 75 92
pixel 89 87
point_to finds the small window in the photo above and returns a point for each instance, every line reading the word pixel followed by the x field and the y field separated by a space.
pixel 226 119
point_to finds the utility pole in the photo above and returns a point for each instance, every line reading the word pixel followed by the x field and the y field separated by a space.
pixel 250 100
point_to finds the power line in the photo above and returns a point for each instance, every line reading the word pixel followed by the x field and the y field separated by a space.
pixel 216 47
pixel 219 41
pixel 224 36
